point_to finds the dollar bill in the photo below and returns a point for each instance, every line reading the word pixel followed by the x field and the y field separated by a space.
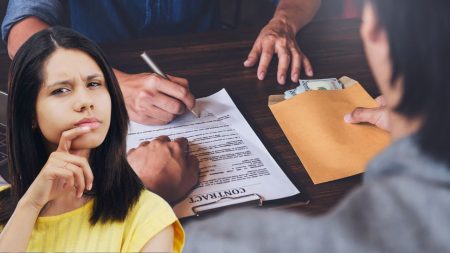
pixel 289 94
pixel 314 84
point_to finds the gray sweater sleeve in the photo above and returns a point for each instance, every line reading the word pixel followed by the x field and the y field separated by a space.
pixel 381 216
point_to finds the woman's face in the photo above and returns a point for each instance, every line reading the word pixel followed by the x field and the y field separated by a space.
pixel 73 94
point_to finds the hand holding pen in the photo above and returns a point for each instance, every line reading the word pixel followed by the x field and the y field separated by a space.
pixel 159 72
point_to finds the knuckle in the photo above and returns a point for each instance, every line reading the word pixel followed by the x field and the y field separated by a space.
pixel 169 118
pixel 283 42
pixel 292 46
pixel 176 147
pixel 177 108
pixel 84 161
pixel 160 145
pixel 144 143
pixel 285 56
pixel 64 135
pixel 185 81
pixel 270 37
pixel 183 92
pixel 141 98
pixel 357 112
pixel 362 114
pixel 156 142
pixel 174 144
pixel 79 170
pixel 80 181
pixel 153 79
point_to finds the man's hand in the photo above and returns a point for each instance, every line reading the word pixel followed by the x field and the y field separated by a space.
pixel 278 37
pixel 166 167
pixel 153 100
pixel 376 116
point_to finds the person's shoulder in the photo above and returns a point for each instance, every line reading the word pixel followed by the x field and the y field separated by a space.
pixel 149 198
pixel 406 158
pixel 404 196
pixel 404 204
pixel 149 205
pixel 150 215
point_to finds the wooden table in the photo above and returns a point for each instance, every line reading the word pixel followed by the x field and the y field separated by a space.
pixel 212 61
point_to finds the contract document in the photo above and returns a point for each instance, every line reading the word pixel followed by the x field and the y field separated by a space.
pixel 235 167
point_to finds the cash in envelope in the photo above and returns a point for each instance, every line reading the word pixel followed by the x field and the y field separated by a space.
pixel 314 84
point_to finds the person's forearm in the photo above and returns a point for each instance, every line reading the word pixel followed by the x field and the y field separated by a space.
pixel 16 234
pixel 296 13
pixel 22 31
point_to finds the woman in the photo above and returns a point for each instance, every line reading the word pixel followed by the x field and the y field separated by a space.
pixel 72 188
pixel 403 203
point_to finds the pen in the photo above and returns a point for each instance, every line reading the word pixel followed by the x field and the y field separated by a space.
pixel 158 71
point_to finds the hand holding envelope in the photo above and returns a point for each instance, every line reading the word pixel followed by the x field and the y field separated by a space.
pixel 327 146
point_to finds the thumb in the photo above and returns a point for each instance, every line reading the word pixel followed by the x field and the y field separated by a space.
pixel 363 115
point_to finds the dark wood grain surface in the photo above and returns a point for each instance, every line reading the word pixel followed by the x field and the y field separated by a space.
pixel 212 61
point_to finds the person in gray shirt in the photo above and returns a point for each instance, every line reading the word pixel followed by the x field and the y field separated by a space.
pixel 404 201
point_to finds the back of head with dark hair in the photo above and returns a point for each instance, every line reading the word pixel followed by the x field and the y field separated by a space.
pixel 419 39
pixel 116 186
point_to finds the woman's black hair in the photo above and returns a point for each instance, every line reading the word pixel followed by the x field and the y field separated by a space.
pixel 116 187
pixel 419 39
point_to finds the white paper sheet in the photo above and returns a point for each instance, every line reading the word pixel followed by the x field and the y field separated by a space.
pixel 233 161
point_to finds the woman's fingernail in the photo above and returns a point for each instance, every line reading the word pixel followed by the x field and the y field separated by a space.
pixel 90 187
pixel 295 77
pixel 348 118
pixel 310 72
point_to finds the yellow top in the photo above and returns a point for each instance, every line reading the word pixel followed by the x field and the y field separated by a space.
pixel 72 231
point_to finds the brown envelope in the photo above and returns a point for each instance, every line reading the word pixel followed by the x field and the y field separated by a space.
pixel 328 147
